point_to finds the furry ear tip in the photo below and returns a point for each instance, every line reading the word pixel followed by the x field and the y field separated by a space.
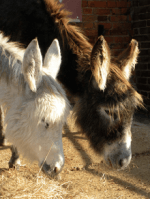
pixel 35 41
pixel 56 42
pixel 100 41
pixel 134 42
pixel 101 37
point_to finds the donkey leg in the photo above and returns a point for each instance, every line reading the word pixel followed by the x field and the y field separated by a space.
pixel 2 138
pixel 14 160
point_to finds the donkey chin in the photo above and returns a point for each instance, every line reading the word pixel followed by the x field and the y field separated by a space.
pixel 118 155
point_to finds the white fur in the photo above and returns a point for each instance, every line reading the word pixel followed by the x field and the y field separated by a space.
pixel 53 55
pixel 27 112
pixel 104 73
pixel 100 60
pixel 32 65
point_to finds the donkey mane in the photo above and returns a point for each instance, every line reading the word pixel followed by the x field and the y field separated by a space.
pixel 74 35
pixel 12 56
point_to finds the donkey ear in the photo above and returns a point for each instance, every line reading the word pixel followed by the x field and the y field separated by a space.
pixel 32 65
pixel 100 61
pixel 52 58
pixel 128 58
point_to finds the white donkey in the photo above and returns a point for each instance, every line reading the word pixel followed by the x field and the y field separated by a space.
pixel 35 105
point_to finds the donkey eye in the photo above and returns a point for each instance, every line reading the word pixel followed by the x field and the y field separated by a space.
pixel 106 111
pixel 43 119
pixel 109 143
pixel 115 116
pixel 47 125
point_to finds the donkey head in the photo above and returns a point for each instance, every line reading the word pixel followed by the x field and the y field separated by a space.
pixel 42 109
pixel 106 109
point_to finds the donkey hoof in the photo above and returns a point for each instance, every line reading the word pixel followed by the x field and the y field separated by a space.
pixel 2 141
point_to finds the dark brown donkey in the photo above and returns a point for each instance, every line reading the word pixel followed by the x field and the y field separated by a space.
pixel 106 100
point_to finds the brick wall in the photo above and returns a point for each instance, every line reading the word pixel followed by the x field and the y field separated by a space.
pixel 141 32
pixel 114 15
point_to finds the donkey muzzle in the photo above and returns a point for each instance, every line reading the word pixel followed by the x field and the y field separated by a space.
pixel 50 171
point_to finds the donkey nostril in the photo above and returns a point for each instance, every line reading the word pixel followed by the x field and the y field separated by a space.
pixel 120 162
pixel 56 170
pixel 123 162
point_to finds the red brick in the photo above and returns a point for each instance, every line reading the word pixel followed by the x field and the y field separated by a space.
pixel 116 11
pixel 107 32
pixel 129 18
pixel 101 11
pixel 88 25
pixel 102 18
pixel 118 39
pixel 123 4
pixel 118 18
pixel 95 4
pixel 124 10
pixel 116 52
pixel 89 18
pixel 109 39
pixel 122 25
pixel 118 46
pixel 119 11
pixel 84 4
pixel 111 4
pixel 106 25
pixel 91 32
pixel 92 39
pixel 127 39
pixel 87 10
pixel 118 32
